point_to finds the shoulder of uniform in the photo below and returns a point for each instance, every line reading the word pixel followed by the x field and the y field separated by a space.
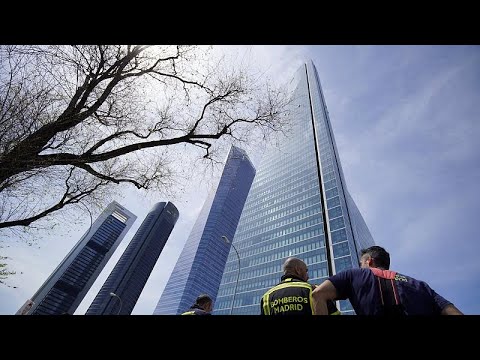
pixel 189 313
pixel 292 279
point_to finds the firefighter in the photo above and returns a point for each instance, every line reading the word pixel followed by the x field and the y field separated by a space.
pixel 203 306
pixel 373 289
pixel 293 295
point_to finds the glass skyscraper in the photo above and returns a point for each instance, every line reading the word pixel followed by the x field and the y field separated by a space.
pixel 66 287
pixel 201 263
pixel 133 269
pixel 298 206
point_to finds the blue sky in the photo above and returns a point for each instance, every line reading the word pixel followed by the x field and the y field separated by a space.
pixel 406 123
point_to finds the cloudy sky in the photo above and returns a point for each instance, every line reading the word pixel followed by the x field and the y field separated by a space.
pixel 406 123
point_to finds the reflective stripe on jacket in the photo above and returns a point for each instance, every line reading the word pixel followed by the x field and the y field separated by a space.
pixel 189 313
pixel 196 310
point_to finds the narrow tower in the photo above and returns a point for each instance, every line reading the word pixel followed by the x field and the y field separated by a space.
pixel 201 263
pixel 66 287
pixel 125 283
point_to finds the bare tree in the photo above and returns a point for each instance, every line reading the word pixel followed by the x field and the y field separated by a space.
pixel 5 272
pixel 76 119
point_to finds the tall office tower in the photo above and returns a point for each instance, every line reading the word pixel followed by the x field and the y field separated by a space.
pixel 200 265
pixel 123 286
pixel 298 206
pixel 66 287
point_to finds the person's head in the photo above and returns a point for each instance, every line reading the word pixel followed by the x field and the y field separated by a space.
pixel 295 266
pixel 205 302
pixel 376 257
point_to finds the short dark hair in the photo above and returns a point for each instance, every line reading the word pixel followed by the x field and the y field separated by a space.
pixel 379 255
pixel 203 299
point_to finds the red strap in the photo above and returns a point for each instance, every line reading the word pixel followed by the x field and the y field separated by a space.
pixel 386 274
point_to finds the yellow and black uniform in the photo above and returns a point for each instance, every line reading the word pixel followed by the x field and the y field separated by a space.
pixel 196 310
pixel 292 296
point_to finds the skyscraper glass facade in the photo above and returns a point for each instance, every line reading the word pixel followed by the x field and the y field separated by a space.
pixel 298 206
pixel 201 263
pixel 133 269
pixel 63 291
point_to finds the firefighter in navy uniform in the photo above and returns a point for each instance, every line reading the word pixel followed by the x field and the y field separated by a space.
pixel 373 289
pixel 203 306
pixel 293 295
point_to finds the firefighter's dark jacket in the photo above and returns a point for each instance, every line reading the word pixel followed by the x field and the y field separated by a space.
pixel 292 296
pixel 196 310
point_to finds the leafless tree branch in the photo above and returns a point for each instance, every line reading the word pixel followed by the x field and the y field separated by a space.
pixel 107 114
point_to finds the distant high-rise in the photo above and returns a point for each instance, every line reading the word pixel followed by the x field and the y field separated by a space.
pixel 201 263
pixel 66 287
pixel 128 277
pixel 298 206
